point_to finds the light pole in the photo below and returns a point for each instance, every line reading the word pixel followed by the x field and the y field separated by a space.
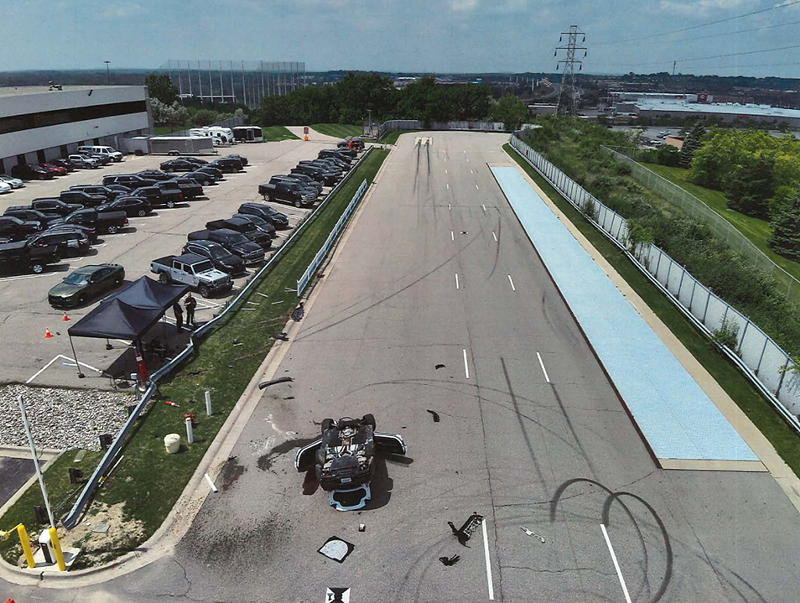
pixel 108 73
pixel 369 111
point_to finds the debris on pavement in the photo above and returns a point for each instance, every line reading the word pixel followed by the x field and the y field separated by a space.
pixel 337 595
pixel 464 533
pixel 362 527
pixel 265 384
pixel 534 534
pixel 298 313
pixel 283 336
pixel 450 560
pixel 435 415
pixel 336 549
pixel 439 366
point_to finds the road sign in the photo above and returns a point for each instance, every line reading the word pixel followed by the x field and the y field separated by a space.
pixel 305 130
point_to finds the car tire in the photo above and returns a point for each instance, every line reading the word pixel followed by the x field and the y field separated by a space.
pixel 369 419
pixel 163 278
pixel 113 229
pixel 170 204
pixel 37 268
pixel 141 213
pixel 266 197
pixel 81 300
pixel 326 425
pixel 298 204
pixel 204 291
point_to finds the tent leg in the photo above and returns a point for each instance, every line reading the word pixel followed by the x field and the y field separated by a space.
pixel 108 345
pixel 77 364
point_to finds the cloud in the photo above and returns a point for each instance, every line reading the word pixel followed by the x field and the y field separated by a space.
pixel 119 11
pixel 703 7
pixel 464 5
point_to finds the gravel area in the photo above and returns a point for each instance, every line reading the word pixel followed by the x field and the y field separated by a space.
pixel 61 418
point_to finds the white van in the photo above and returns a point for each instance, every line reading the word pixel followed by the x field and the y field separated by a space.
pixel 111 152
pixel 219 134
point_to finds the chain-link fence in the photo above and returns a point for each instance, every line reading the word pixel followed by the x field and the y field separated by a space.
pixel 415 124
pixel 763 360
pixel 720 227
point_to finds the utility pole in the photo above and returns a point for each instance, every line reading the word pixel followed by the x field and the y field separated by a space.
pixel 369 111
pixel 674 63
pixel 36 461
pixel 569 62
pixel 108 72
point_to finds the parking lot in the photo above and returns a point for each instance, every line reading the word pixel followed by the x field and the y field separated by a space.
pixel 25 313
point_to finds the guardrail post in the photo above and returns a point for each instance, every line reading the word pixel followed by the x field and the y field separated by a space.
pixel 760 358
pixel 783 374
pixel 708 300
pixel 744 332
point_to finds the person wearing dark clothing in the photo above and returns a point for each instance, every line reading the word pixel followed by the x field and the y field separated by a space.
pixel 176 307
pixel 190 303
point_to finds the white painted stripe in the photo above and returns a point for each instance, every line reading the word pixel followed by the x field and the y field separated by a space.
pixel 445 171
pixel 489 561
pixel 544 370
pixel 467 159
pixel 449 207
pixel 448 186
pixel 211 484
pixel 457 280
pixel 466 366
pixel 494 235
pixel 616 564
pixel 452 236
pixel 513 288
pixel 471 172
pixel 26 276
pixel 476 188
pixel 41 370
pixel 483 206
pixel 96 370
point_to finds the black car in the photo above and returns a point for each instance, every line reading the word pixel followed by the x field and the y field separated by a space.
pixel 302 179
pixel 227 165
pixel 119 188
pixel 67 242
pixel 89 231
pixel 156 175
pixel 319 174
pixel 260 223
pixel 243 160
pixel 313 190
pixel 85 283
pixel 324 153
pixel 54 206
pixel 82 198
pixel 187 186
pixel 194 160
pixel 14 229
pixel 265 212
pixel 96 189
pixel 159 196
pixel 177 165
pixel 21 255
pixel 221 258
pixel 132 181
pixel 212 170
pixel 107 221
pixel 233 241
pixel 245 227
pixel 132 206
pixel 201 178
pixel 343 459
pixel 31 215
pixel 31 171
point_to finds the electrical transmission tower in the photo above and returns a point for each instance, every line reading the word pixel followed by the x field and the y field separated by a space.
pixel 568 74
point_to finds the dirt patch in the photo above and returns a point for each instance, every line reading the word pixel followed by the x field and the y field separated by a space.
pixel 264 462
pixel 231 472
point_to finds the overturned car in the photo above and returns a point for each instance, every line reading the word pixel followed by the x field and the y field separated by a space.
pixel 344 459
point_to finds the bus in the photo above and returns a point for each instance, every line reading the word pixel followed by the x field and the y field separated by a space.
pixel 248 134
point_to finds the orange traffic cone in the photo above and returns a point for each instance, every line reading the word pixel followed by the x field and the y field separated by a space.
pixel 66 318
pixel 305 137
pixel 47 333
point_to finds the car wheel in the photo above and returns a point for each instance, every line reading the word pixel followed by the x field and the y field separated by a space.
pixel 163 278
pixel 298 204
pixel 81 300
pixel 204 291
pixel 141 213
pixel 37 268
pixel 266 197
pixel 369 419
pixel 170 204
pixel 326 424
pixel 117 282
pixel 112 229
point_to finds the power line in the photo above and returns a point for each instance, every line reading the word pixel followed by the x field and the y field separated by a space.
pixel 693 27
pixel 732 33
pixel 717 56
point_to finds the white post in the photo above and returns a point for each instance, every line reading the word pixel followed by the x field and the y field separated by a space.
pixel 36 461
pixel 189 434
pixel 208 403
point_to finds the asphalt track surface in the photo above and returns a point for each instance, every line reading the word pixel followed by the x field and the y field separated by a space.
pixel 554 453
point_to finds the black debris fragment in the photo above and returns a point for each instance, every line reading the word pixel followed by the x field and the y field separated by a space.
pixel 264 384
pixel 337 549
pixel 439 366
pixel 450 560
pixel 298 313
pixel 464 533
pixel 435 415
pixel 282 336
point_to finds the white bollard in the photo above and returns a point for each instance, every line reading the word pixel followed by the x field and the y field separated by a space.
pixel 208 403
pixel 189 434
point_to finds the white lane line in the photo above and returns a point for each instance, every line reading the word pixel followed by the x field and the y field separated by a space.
pixel 483 206
pixel 26 276
pixel 449 207
pixel 471 172
pixel 494 235
pixel 452 236
pixel 544 370
pixel 467 159
pixel 513 288
pixel 445 159
pixel 616 564
pixel 448 186
pixel 457 287
pixel 43 369
pixel 89 366
pixel 445 171
pixel 476 188
pixel 489 562
pixel 466 366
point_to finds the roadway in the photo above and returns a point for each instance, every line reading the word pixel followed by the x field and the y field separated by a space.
pixel 436 271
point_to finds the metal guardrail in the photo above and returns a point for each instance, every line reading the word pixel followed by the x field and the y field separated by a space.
pixel 763 362
pixel 722 229
pixel 70 520
pixel 302 283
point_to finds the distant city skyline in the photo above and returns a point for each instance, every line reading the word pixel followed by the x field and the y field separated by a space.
pixel 451 36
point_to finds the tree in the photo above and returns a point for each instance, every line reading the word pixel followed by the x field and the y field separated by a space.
pixel 511 110
pixel 168 115
pixel 691 143
pixel 161 87
pixel 785 225
pixel 205 117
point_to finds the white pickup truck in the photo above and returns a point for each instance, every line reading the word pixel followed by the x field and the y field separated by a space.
pixel 193 270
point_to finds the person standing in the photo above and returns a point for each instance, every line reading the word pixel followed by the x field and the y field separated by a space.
pixel 176 308
pixel 190 303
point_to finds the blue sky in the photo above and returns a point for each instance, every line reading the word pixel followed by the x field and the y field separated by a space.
pixel 400 35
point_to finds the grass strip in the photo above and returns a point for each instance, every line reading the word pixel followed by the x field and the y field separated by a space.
pixel 148 480
pixel 277 133
pixel 738 387
pixel 338 130
pixel 391 137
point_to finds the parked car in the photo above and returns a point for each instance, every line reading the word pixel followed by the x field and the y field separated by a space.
pixel 27 214
pixel 235 242
pixel 82 198
pixel 245 227
pixel 227 165
pixel 356 144
pixel 221 258
pixel 194 160
pixel 328 164
pixel 287 192
pixel 11 181
pixel 156 175
pixel 23 256
pixel 177 165
pixel 132 206
pixel 303 179
pixel 90 232
pixel 119 188
pixel 107 221
pixel 84 284
pixel 101 158
pixel 312 190
pixel 104 151
pixel 242 160
pixel 57 170
pixel 68 242
pixel 158 196
pixel 96 189
pixel 83 161
pixel 265 212
pixel 189 188
pixel 14 229
pixel 335 154
pixel 31 171
pixel 5 187
pixel 319 174
pixel 260 223
pixel 50 205
pixel 132 181
pixel 193 270
pixel 202 178
pixel 212 170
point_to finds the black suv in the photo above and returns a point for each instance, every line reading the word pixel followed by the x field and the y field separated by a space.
pixel 190 188
pixel 159 197
pixel 31 171
pixel 178 165
pixel 54 206
pixel 233 241
pixel 157 175
pixel 221 258
pixel 265 212
pixel 17 230
pixel 66 242
pixel 96 189
pixel 227 165
pixel 132 206
pixel 245 227
pixel 132 181
pixel 82 198
pixel 26 214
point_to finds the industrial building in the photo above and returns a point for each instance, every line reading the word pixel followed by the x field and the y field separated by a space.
pixel 40 123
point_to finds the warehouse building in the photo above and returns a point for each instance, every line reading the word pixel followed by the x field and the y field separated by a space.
pixel 40 123
pixel 726 112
